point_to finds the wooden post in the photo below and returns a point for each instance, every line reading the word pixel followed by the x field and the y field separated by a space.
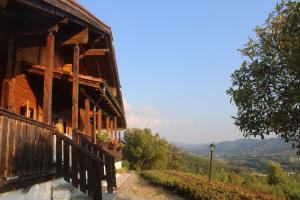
pixel 115 127
pixel 9 81
pixel 75 92
pixel 99 120
pixel 48 79
pixel 87 128
pixel 94 125
pixel 27 109
pixel 111 123
pixel 107 124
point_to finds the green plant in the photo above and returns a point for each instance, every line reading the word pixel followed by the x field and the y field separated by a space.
pixel 103 136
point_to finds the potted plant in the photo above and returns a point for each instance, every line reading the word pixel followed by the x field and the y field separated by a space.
pixel 113 144
pixel 103 138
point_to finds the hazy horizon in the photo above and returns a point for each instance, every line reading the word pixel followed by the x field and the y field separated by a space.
pixel 175 59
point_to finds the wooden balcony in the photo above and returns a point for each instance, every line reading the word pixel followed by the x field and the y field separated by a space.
pixel 32 152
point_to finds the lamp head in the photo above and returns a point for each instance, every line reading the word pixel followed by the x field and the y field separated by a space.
pixel 212 147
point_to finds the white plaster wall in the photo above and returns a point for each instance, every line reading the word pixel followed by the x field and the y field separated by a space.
pixel 118 165
pixel 37 192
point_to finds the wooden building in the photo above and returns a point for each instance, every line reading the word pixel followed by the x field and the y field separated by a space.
pixel 59 87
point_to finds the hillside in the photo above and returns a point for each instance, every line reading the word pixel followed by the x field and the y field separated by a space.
pixel 251 153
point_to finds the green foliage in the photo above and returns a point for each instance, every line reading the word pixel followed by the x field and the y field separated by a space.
pixel 275 173
pixel 144 150
pixel 266 88
pixel 175 159
pixel 193 186
pixel 103 136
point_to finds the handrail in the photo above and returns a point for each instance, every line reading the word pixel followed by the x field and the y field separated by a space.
pixel 78 147
pixel 13 115
pixel 94 145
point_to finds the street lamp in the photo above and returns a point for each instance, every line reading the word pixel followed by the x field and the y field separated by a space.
pixel 212 148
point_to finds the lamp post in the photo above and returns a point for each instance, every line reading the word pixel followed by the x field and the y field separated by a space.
pixel 212 148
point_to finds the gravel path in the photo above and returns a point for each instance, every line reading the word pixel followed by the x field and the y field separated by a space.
pixel 136 188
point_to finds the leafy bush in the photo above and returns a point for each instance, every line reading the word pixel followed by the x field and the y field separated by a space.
pixel 145 150
pixel 195 187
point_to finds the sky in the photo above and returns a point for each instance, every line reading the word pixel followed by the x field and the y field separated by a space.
pixel 175 59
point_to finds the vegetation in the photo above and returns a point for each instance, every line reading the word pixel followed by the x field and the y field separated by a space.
pixel 103 136
pixel 266 87
pixel 144 150
pixel 147 151
pixel 199 187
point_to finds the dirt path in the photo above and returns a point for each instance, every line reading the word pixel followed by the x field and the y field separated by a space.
pixel 136 188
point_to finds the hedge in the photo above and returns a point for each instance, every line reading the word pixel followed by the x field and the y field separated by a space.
pixel 196 187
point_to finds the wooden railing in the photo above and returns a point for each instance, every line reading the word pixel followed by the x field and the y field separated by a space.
pixel 32 152
pixel 26 149
pixel 109 159
pixel 79 166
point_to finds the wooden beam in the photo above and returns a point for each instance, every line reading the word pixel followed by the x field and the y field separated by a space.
pixel 48 79
pixel 9 81
pixel 87 117
pixel 75 92
pixel 39 27
pixel 94 52
pixel 81 37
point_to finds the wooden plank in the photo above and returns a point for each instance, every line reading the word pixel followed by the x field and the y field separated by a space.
pixel 58 156
pixel 82 170
pixel 10 147
pixel 4 147
pixel 74 170
pixel 75 94
pixel 45 148
pixel 39 154
pixel 66 162
pixel 48 79
pixel 94 52
pixel 17 149
pixel 98 180
pixel 81 37
pixel 91 179
pixel 23 148
pixel 87 127
pixel 51 153
pixel 31 134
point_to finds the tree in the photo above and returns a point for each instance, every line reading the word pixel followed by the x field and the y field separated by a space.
pixel 266 88
pixel 275 173
pixel 175 160
pixel 144 150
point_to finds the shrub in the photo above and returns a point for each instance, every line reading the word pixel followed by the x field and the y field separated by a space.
pixel 195 187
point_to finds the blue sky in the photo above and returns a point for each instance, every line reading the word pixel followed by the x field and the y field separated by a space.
pixel 175 59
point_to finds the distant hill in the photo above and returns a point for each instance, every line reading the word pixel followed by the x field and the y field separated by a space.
pixel 227 148
pixel 252 153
